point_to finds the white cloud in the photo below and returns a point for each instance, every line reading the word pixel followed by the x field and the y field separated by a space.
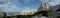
pixel 44 0
pixel 9 7
pixel 55 2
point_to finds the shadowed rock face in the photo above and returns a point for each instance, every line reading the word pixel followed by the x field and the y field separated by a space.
pixel 58 17
pixel 56 8
pixel 44 13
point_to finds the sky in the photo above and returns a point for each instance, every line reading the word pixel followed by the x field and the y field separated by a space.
pixel 18 5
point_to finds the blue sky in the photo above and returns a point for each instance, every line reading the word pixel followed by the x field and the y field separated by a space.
pixel 18 5
pixel 33 4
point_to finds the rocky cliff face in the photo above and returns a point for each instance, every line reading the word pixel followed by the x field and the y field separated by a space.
pixel 57 7
pixel 44 6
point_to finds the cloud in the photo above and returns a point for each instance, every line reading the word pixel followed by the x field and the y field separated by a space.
pixel 52 2
pixel 44 0
pixel 55 2
pixel 9 7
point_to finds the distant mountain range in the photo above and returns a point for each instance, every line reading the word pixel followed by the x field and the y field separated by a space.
pixel 13 13
pixel 56 7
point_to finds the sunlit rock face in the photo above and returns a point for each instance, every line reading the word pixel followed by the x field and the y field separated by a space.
pixel 8 14
pixel 44 6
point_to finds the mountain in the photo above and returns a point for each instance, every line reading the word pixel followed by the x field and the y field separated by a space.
pixel 28 12
pixel 45 6
pixel 56 7
pixel 13 13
